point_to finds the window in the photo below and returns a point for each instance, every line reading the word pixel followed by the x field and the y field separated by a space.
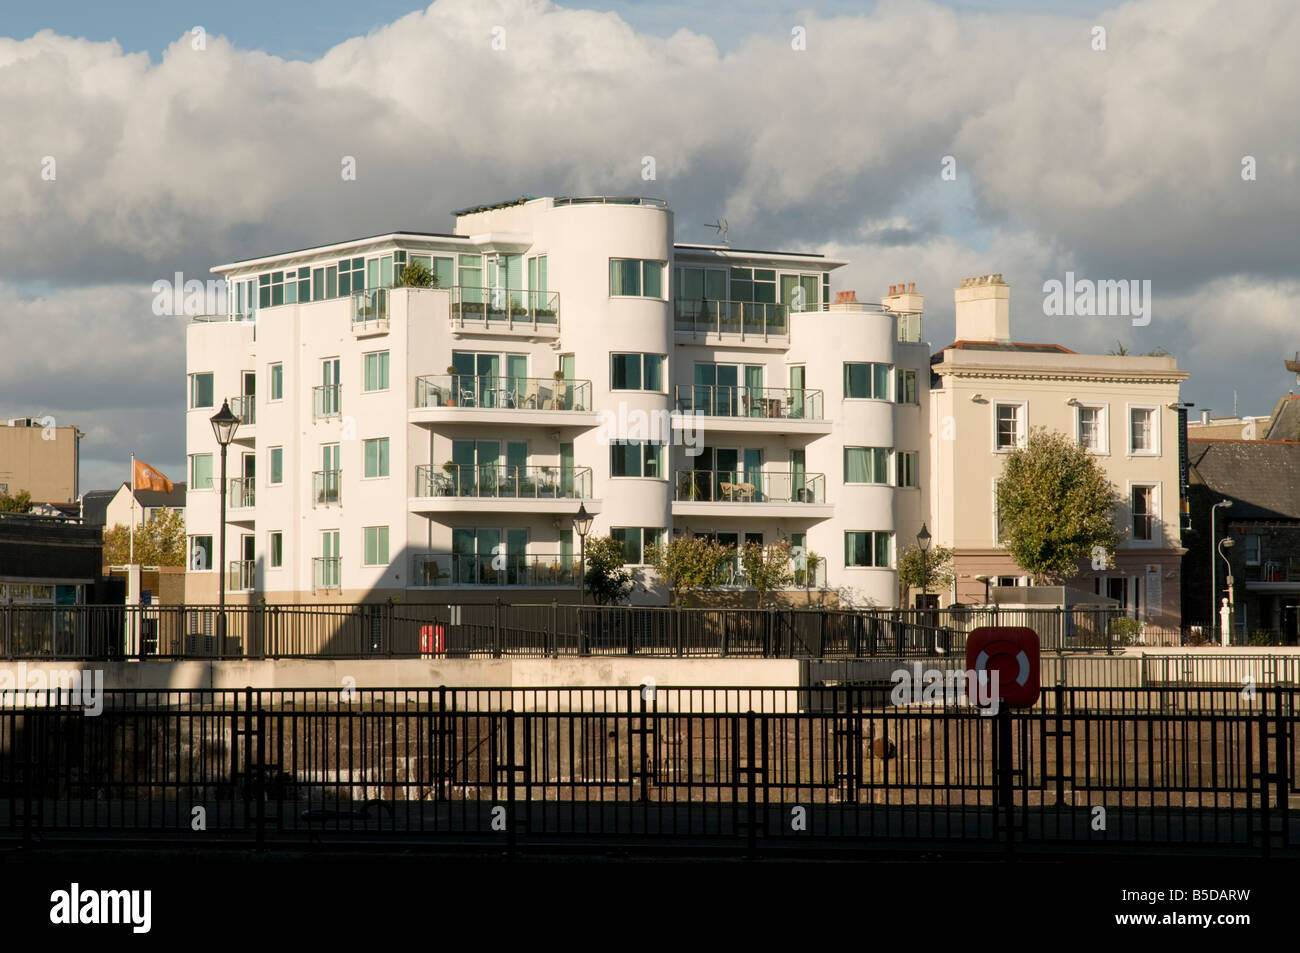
pixel 1009 426
pixel 632 277
pixel 907 388
pixel 200 553
pixel 865 381
pixel 799 292
pixel 1251 549
pixel 277 466
pixel 868 549
pixel 200 390
pixel 635 540
pixel 866 465
pixel 376 538
pixel 376 451
pixel 1142 430
pixel 636 458
pixel 1092 427
pixel 201 471
pixel 908 465
pixel 277 382
pixel 277 549
pixel 376 370
pixel 636 372
pixel 1144 512
pixel 537 273
pixel 352 276
pixel 753 284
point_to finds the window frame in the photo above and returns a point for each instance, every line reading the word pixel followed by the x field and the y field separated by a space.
pixel 640 278
pixel 901 375
pixel 212 379
pixel 383 455
pixel 872 545
pixel 208 556
pixel 1022 424
pixel 1156 537
pixel 270 466
pixel 193 483
pixel 914 470
pixel 1103 427
pixel 365 546
pixel 1155 430
pixel 365 371
pixel 887 390
pixel 272 538
pixel 271 381
pixel 614 445
pixel 877 479
pixel 642 371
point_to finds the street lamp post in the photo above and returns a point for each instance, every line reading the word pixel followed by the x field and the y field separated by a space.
pixel 1226 543
pixel 1214 587
pixel 582 526
pixel 224 425
pixel 923 544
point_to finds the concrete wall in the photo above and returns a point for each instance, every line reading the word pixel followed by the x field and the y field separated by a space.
pixel 40 460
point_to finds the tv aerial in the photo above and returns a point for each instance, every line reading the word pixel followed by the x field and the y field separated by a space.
pixel 720 226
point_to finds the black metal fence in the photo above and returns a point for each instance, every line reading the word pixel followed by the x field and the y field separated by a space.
pixel 402 630
pixel 758 770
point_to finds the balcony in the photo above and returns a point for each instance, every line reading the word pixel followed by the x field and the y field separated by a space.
pixel 505 311
pixel 802 576
pixel 326 487
pixel 516 569
pixel 326 401
pixel 486 489
pixel 774 493
pixel 464 398
pixel 740 321
pixel 753 409
pixel 1281 573
pixel 239 577
pixel 245 408
pixel 325 573
pixel 370 312
pixel 242 493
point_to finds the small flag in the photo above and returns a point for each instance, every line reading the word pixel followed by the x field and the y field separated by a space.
pixel 147 478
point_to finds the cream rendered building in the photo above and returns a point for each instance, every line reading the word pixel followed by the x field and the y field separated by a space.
pixel 987 391
pixel 434 444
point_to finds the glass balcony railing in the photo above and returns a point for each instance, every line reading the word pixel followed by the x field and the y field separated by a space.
pixel 326 401
pixel 802 575
pixel 245 408
pixel 744 318
pixel 506 309
pixel 909 327
pixel 326 487
pixel 762 486
pixel 240 576
pixel 370 310
pixel 503 569
pixel 764 403
pixel 325 572
pixel 494 481
pixel 511 393
pixel 242 493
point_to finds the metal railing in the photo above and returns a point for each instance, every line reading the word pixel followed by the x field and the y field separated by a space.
pixel 609 200
pixel 744 318
pixel 509 393
pixel 243 493
pixel 325 572
pixel 326 487
pixel 765 403
pixel 762 486
pixel 370 310
pixel 494 481
pixel 326 401
pixel 245 408
pixel 504 569
pixel 241 575
pixel 700 769
pixel 505 309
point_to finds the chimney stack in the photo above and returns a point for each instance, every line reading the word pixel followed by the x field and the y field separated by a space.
pixel 903 297
pixel 983 307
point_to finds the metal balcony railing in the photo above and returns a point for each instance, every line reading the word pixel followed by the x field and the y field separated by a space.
pixel 502 569
pixel 511 393
pixel 240 575
pixel 326 401
pixel 745 318
pixel 494 481
pixel 242 493
pixel 764 403
pixel 325 572
pixel 505 309
pixel 762 486
pixel 326 487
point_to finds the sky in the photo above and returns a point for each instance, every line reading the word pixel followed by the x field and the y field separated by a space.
pixel 1155 140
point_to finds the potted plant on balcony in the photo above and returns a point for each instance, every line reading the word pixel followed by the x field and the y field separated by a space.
pixel 561 390
pixel 547 488
pixel 447 483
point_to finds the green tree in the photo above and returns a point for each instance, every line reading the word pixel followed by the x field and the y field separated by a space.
pixel 159 542
pixel 932 573
pixel 416 274
pixel 608 581
pixel 1056 506
pixel 688 564
pixel 767 567
pixel 21 503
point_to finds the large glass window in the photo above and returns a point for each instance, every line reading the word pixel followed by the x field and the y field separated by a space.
pixel 636 372
pixel 868 549
pixel 201 471
pixel 376 453
pixel 352 276
pixel 376 370
pixel 635 540
pixel 865 381
pixel 634 277
pixel 753 284
pixel 201 390
pixel 200 553
pixel 866 465
pixel 701 284
pixel 799 292
pixel 636 459
pixel 376 545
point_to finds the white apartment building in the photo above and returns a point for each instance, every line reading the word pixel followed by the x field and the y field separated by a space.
pixel 434 444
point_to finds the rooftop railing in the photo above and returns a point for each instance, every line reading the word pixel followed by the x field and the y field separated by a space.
pixel 750 486
pixel 505 309
pixel 609 200
pixel 494 481
pixel 764 403
pixel 744 318
pixel 511 393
